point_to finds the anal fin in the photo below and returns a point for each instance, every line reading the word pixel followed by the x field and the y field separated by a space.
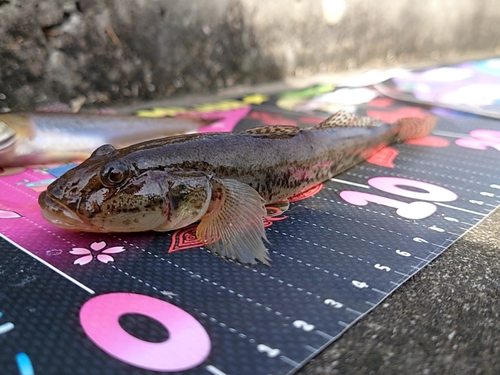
pixel 233 227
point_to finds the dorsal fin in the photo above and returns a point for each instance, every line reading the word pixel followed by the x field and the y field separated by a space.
pixel 273 131
pixel 345 119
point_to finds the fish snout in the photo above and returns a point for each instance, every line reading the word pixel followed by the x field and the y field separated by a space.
pixel 58 214
pixel 56 189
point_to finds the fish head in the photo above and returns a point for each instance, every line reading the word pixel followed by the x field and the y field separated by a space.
pixel 108 193
pixel 105 193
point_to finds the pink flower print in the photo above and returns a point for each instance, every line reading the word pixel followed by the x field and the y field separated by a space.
pixel 6 214
pixel 95 252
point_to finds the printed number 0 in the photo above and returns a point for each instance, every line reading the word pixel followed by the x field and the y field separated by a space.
pixel 430 192
pixel 187 346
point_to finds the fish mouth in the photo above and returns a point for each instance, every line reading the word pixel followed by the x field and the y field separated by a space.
pixel 59 215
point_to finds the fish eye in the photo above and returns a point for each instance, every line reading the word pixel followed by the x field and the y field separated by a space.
pixel 114 173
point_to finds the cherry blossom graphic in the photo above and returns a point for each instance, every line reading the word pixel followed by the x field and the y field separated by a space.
pixel 268 221
pixel 429 140
pixel 397 113
pixel 381 102
pixel 384 157
pixel 266 118
pixel 311 120
pixel 309 192
pixel 7 214
pixel 184 238
pixel 97 251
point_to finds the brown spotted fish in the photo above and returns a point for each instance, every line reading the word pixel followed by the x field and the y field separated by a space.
pixel 222 180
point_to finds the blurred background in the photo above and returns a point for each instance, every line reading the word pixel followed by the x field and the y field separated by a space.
pixel 120 51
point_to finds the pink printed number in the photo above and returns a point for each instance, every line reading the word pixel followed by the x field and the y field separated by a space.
pixel 414 210
pixel 481 140
pixel 477 144
pixel 486 134
pixel 187 346
pixel 395 185
pixel 429 192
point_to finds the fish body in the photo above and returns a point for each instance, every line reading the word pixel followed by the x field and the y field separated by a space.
pixel 40 138
pixel 222 180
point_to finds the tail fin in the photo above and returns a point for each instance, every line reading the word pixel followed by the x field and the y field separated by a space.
pixel 415 127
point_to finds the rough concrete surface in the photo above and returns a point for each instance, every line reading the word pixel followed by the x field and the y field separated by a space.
pixel 111 51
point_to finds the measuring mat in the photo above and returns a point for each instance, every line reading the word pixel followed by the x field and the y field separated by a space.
pixel 149 303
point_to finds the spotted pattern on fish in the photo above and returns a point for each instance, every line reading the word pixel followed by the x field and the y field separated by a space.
pixel 343 118
pixel 221 180
pixel 275 131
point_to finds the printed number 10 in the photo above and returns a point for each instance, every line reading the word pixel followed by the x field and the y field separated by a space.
pixel 393 185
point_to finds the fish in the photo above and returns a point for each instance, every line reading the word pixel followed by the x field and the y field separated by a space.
pixel 221 180
pixel 41 138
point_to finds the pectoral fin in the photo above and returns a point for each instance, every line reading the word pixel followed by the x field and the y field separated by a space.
pixel 233 227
